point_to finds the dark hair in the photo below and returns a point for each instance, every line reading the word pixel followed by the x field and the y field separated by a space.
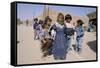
pixel 40 21
pixel 68 16
pixel 48 19
pixel 58 17
pixel 80 22
pixel 35 19
pixel 43 26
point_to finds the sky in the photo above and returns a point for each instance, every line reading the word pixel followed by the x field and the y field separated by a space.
pixel 28 11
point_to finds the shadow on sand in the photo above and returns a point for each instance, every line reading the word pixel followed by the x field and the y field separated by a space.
pixel 92 45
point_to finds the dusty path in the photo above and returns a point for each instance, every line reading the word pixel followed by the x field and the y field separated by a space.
pixel 29 51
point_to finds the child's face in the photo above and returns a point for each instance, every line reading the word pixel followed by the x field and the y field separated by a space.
pixel 78 24
pixel 61 19
pixel 49 22
pixel 68 20
pixel 35 20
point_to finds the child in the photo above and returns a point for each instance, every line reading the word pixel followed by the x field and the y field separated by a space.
pixel 79 35
pixel 69 31
pixel 59 47
pixel 47 25
pixel 40 31
pixel 48 21
pixel 46 41
pixel 35 24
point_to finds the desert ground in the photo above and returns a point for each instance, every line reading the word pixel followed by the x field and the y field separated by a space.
pixel 29 51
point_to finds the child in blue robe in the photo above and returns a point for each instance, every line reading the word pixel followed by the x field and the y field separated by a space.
pixel 59 47
pixel 79 36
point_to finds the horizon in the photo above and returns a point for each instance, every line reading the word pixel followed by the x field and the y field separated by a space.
pixel 29 11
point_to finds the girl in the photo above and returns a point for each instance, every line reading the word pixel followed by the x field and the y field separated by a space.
pixel 79 35
pixel 59 47
pixel 69 31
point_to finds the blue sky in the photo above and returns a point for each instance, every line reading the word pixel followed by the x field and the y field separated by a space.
pixel 28 11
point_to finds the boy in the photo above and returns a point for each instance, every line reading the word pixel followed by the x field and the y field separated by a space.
pixel 79 35
pixel 35 24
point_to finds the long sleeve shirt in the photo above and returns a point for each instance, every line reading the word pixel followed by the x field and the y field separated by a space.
pixel 79 31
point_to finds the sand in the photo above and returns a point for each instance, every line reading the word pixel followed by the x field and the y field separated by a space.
pixel 29 52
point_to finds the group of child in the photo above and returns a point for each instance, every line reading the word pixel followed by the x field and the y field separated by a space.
pixel 41 28
pixel 61 33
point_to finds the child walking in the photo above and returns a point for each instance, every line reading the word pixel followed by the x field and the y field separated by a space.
pixel 35 24
pixel 40 30
pixel 79 36
pixel 69 31
pixel 59 47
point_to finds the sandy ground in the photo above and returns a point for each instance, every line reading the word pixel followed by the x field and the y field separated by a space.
pixel 29 52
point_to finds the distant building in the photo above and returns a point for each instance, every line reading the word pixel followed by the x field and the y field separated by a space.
pixel 92 21
pixel 52 13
